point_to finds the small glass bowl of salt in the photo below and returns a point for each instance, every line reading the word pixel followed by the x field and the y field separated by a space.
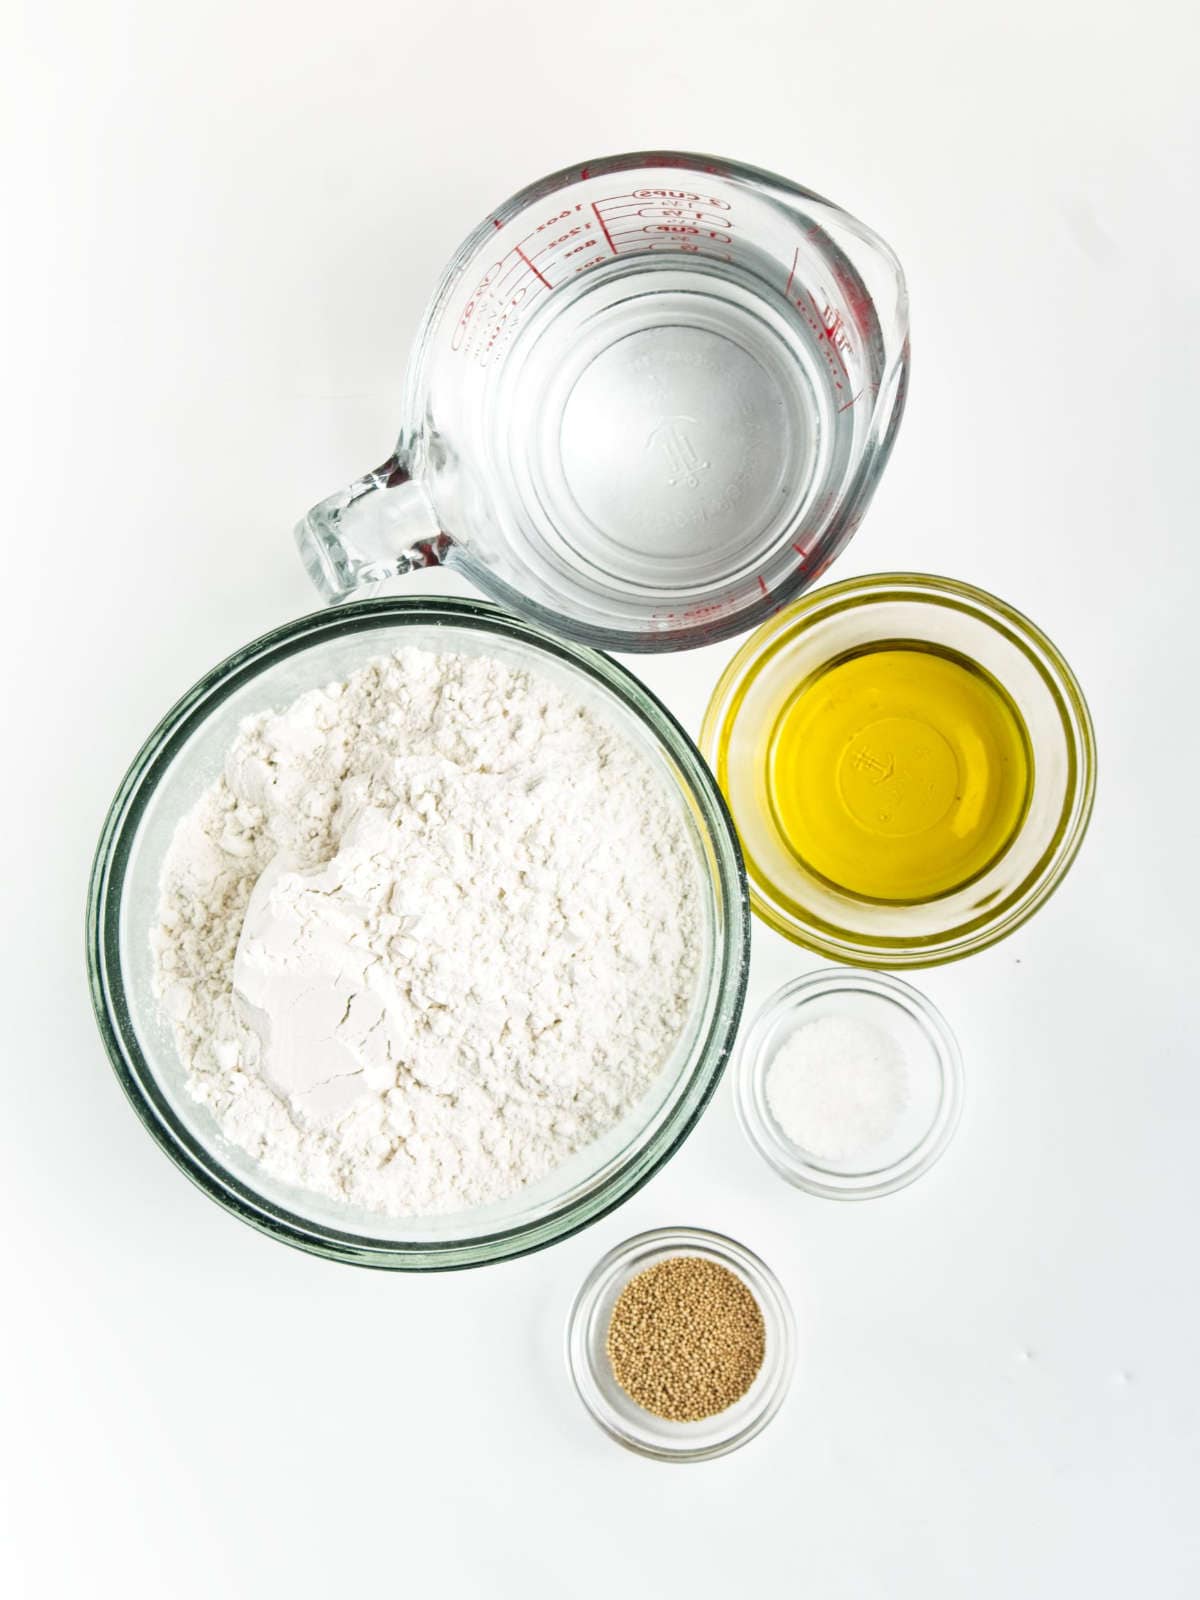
pixel 849 1083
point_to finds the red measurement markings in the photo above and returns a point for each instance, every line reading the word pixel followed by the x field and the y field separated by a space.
pixel 678 194
pixel 687 230
pixel 827 325
pixel 565 238
pixel 644 246
pixel 849 403
pixel 762 585
pixel 858 301
pixel 835 329
pixel 552 222
pixel 515 284
pixel 531 267
pixel 502 311
pixel 689 224
pixel 604 225
pixel 515 279
pixel 472 306
pixel 831 337
pixel 623 210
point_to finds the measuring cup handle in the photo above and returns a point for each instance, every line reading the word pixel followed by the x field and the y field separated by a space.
pixel 381 527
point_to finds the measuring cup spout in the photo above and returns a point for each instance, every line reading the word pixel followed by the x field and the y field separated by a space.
pixel 381 527
pixel 875 291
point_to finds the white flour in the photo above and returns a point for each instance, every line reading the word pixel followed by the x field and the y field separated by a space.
pixel 435 929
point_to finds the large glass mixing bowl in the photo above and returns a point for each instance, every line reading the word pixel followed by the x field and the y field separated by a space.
pixel 184 755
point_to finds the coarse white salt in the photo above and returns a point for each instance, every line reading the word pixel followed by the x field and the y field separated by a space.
pixel 838 1087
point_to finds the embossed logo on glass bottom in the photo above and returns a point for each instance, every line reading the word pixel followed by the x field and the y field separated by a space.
pixel 675 443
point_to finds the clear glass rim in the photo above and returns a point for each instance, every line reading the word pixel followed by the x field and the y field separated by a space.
pixel 757 1276
pixel 106 982
pixel 752 1064
pixel 627 161
pixel 890 401
pixel 1044 876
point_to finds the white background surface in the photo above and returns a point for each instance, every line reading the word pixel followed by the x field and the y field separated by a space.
pixel 226 218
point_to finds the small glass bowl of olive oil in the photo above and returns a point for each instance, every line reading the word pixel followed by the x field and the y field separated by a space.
pixel 910 766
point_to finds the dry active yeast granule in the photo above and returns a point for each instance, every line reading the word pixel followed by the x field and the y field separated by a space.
pixel 686 1338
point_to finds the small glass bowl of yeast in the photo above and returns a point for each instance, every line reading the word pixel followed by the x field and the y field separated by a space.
pixel 614 1410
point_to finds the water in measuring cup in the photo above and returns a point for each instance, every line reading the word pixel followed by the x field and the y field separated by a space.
pixel 664 426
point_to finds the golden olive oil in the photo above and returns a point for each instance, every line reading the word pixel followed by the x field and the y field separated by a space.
pixel 898 772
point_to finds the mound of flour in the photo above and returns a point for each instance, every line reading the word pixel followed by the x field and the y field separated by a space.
pixel 435 929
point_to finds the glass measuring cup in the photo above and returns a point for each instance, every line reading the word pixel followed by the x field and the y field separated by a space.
pixel 649 402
